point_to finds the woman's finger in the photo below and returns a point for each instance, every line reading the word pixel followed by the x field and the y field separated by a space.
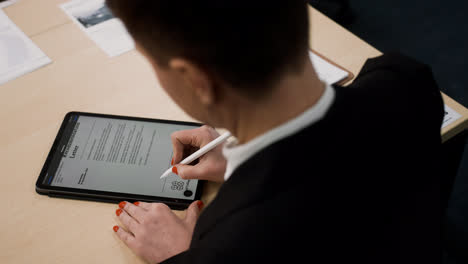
pixel 145 206
pixel 133 210
pixel 180 141
pixel 126 237
pixel 189 172
pixel 193 212
pixel 211 170
pixel 191 139
pixel 130 223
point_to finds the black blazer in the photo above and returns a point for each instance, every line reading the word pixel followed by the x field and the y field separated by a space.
pixel 361 185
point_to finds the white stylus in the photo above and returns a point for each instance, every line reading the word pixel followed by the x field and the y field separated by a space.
pixel 213 144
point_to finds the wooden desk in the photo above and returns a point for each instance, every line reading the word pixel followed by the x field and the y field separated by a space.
pixel 349 51
pixel 39 229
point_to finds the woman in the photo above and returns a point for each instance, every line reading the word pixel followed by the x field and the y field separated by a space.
pixel 318 172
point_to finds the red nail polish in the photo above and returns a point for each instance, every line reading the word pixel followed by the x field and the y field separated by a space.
pixel 172 162
pixel 200 204
pixel 118 212
pixel 174 170
pixel 122 204
pixel 136 203
pixel 116 228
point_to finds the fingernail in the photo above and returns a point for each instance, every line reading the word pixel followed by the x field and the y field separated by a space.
pixel 172 161
pixel 122 204
pixel 118 212
pixel 136 203
pixel 116 228
pixel 174 170
pixel 200 204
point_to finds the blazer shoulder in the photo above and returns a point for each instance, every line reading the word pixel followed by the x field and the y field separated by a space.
pixel 399 73
pixel 401 80
pixel 395 62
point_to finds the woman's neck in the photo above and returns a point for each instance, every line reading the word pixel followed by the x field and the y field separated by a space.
pixel 290 98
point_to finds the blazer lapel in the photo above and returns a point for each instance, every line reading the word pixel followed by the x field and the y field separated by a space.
pixel 246 185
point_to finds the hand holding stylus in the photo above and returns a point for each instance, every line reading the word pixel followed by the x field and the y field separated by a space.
pixel 211 165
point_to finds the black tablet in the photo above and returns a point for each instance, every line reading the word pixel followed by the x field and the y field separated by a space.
pixel 116 158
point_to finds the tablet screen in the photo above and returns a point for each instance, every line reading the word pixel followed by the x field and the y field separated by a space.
pixel 117 155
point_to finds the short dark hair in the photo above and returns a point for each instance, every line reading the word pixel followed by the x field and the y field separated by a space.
pixel 246 43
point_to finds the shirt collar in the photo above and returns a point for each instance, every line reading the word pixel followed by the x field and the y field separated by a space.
pixel 238 154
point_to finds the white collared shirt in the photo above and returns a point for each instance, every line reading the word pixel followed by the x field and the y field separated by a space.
pixel 238 154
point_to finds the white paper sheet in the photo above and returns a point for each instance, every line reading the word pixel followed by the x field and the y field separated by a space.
pixel 7 3
pixel 18 54
pixel 450 116
pixel 326 71
pixel 96 20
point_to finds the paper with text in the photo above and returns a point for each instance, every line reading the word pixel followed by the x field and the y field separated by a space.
pixel 326 71
pixel 450 116
pixel 7 3
pixel 19 54
pixel 97 21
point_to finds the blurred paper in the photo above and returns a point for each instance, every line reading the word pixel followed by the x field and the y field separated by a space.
pixel 326 71
pixel 97 21
pixel 450 116
pixel 7 3
pixel 18 54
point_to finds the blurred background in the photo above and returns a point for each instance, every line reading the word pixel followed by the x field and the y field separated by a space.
pixel 434 32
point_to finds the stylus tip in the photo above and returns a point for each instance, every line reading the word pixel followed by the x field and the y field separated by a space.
pixel 166 173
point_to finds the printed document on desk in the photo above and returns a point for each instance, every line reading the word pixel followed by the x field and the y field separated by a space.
pixel 19 55
pixel 98 22
pixel 326 71
pixel 7 3
pixel 450 116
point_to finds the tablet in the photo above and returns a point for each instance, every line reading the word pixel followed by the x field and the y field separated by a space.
pixel 116 158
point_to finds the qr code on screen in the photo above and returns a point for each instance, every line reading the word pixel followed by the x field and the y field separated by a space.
pixel 177 185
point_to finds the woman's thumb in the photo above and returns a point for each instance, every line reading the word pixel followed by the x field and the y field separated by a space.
pixel 186 172
pixel 193 211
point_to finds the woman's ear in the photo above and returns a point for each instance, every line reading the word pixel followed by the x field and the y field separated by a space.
pixel 196 78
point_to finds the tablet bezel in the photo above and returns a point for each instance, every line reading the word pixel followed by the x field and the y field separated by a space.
pixel 106 196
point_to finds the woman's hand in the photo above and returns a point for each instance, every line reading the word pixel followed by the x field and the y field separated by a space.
pixel 210 166
pixel 153 231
